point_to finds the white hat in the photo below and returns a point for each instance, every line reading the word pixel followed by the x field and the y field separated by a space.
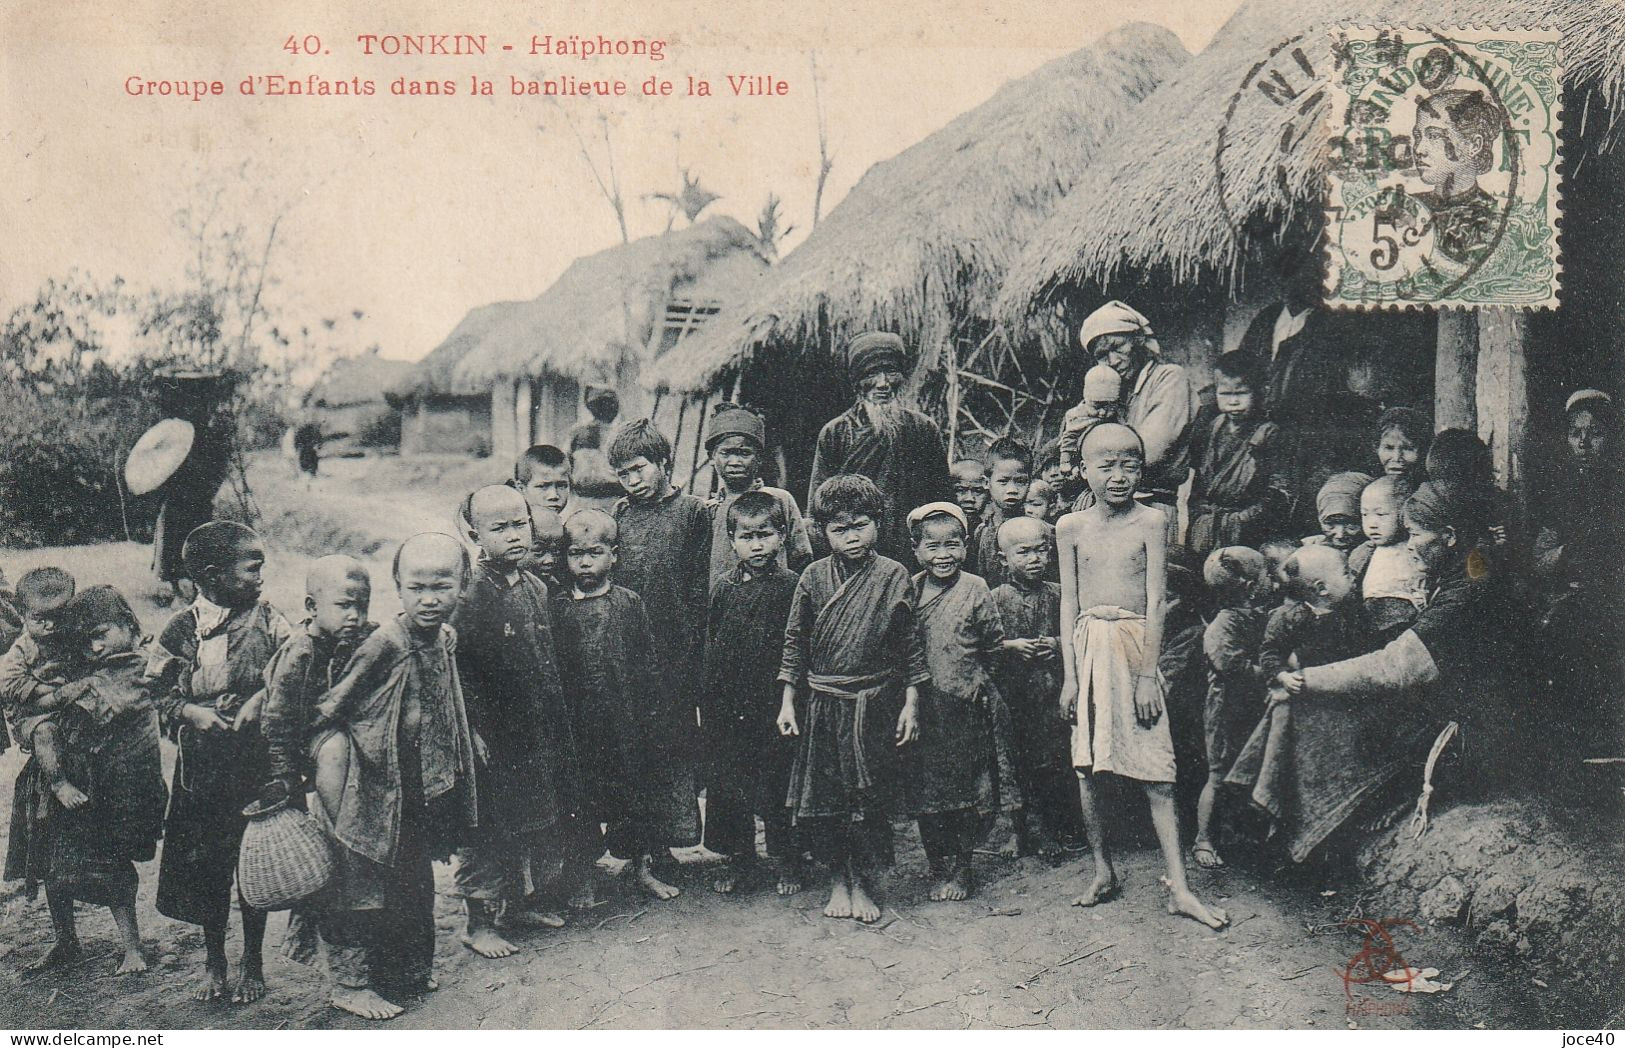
pixel 1116 318
pixel 1582 396
pixel 936 509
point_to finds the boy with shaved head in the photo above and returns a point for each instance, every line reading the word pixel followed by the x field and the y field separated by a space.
pixel 633 727
pixel 1114 558
pixel 224 641
pixel 395 778
pixel 529 782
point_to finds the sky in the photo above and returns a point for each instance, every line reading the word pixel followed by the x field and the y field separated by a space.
pixel 415 210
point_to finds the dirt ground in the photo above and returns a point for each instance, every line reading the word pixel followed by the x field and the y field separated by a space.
pixel 1015 956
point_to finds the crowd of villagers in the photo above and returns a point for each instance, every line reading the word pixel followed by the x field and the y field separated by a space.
pixel 1268 601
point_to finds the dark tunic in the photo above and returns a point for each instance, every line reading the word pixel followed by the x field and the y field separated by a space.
pixel 297 676
pixel 990 566
pixel 912 470
pixel 217 775
pixel 749 760
pixel 851 644
pixel 964 760
pixel 1235 691
pixel 1032 687
pixel 1237 499
pixel 509 669
pixel 1295 629
pixel 635 736
pixel 665 558
pixel 188 498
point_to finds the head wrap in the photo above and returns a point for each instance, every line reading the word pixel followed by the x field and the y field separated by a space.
pixel 1117 318
pixel 1592 398
pixel 1340 495
pixel 1101 382
pixel 921 514
pixel 732 421
pixel 1434 507
pixel 876 351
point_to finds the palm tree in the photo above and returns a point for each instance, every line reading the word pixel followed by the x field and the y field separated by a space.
pixel 690 200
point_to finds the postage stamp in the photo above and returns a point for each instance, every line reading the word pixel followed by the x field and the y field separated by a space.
pixel 1443 181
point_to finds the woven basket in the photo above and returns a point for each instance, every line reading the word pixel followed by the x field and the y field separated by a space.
pixel 285 857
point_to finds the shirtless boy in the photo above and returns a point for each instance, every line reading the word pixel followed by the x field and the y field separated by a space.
pixel 1113 559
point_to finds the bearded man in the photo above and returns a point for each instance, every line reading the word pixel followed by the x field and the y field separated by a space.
pixel 884 438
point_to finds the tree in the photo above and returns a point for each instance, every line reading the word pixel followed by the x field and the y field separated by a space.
pixel 768 232
pixel 691 199
pixel 825 161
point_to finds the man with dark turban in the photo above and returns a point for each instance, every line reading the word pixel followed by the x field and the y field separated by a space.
pixel 885 439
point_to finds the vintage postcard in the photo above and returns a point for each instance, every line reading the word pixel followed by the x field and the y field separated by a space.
pixel 731 515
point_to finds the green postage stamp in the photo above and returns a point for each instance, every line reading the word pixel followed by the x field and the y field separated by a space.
pixel 1443 184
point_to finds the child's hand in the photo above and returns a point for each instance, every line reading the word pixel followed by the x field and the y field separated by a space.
pixel 787 720
pixel 1292 682
pixel 909 723
pixel 1498 533
pixel 1277 696
pixel 1051 647
pixel 1147 700
pixel 204 718
pixel 1069 701
pixel 1026 647
pixel 249 714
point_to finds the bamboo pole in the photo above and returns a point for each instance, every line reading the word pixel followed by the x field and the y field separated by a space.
pixel 1455 370
pixel 1502 399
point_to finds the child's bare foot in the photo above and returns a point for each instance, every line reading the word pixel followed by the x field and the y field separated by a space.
pixel 212 987
pixel 1104 888
pixel 61 955
pixel 864 908
pixel 364 1003
pixel 133 962
pixel 536 919
pixel 484 940
pixel 959 884
pixel 250 988
pixel 939 889
pixel 1182 903
pixel 1206 855
pixel 585 897
pixel 70 796
pixel 654 885
pixel 840 899
pixel 726 880
pixel 789 880
pixel 1012 848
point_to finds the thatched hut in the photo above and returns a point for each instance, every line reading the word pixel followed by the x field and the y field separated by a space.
pixel 1173 220
pixel 435 419
pixel 349 401
pixel 921 244
pixel 605 318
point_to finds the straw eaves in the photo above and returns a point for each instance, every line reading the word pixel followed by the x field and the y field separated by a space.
pixel 602 309
pixel 433 373
pixel 361 379
pixel 922 242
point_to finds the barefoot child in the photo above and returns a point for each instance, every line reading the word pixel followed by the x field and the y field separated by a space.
pixel 737 442
pixel 542 475
pixel 393 763
pixel 664 556
pixel 1102 402
pixel 1028 676
pixel 1241 584
pixel 634 732
pixel 1113 569
pixel 1392 580
pixel 852 652
pixel 108 810
pixel 224 641
pixel 744 640
pixel 1010 469
pixel 961 773
pixel 31 671
pixel 529 779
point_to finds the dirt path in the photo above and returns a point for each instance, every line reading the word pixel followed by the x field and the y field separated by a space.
pixel 1017 956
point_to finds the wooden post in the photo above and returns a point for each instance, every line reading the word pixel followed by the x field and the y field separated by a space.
pixel 953 402
pixel 1455 370
pixel 521 414
pixel 1503 403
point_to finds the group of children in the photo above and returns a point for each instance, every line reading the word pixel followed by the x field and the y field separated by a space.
pixel 575 684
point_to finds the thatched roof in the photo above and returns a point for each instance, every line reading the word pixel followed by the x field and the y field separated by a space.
pixel 604 307
pixel 360 379
pixel 1153 206
pixel 923 240
pixel 433 373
